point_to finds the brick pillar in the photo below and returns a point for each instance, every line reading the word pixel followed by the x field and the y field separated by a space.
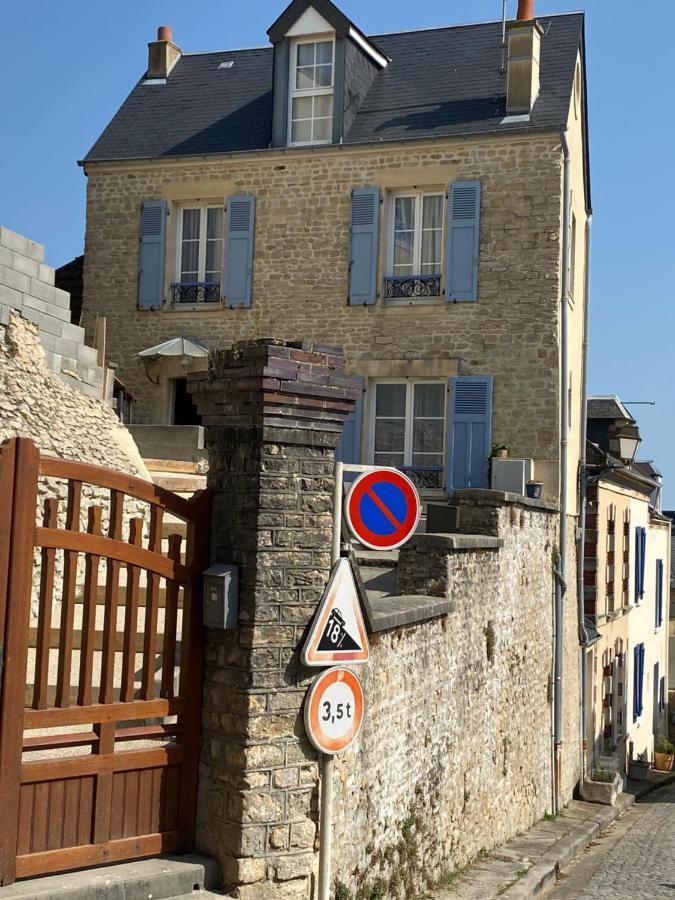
pixel 273 414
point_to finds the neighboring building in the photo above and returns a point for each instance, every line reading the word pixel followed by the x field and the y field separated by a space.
pixel 400 195
pixel 627 561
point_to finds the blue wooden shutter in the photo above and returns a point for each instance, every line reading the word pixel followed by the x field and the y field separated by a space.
pixel 461 281
pixel 659 593
pixel 239 250
pixel 469 431
pixel 643 558
pixel 349 448
pixel 642 679
pixel 638 562
pixel 151 254
pixel 365 220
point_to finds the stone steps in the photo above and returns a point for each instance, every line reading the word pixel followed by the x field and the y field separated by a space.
pixel 163 878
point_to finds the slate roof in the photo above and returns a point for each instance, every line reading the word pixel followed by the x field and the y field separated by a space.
pixel 609 407
pixel 442 81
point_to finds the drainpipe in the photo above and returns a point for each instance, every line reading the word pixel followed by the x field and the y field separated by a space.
pixel 561 569
pixel 583 485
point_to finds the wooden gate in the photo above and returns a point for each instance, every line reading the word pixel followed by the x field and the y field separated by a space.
pixel 100 698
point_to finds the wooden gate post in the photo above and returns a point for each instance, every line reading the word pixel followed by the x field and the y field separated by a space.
pixel 273 415
pixel 19 469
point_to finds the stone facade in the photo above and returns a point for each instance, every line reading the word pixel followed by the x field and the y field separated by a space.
pixel 27 287
pixel 301 263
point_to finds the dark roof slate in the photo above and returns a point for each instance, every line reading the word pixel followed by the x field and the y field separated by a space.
pixel 439 82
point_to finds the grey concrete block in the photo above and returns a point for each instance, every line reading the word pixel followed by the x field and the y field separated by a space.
pixel 42 306
pixel 47 341
pixel 73 332
pixel 44 321
pixel 5 312
pixel 88 356
pixel 20 244
pixel 14 279
pixel 393 612
pixel 62 298
pixel 65 348
pixel 11 297
pixel 6 257
pixel 46 273
pixel 26 265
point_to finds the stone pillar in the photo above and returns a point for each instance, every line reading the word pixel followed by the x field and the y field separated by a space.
pixel 273 414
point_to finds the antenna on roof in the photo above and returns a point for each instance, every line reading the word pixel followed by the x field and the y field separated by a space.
pixel 502 68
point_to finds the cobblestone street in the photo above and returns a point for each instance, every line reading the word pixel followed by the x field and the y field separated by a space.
pixel 634 858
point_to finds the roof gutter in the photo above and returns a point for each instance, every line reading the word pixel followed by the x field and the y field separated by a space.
pixel 517 130
pixel 583 491
pixel 561 569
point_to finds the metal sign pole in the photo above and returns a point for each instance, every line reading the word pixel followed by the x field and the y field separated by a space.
pixel 327 761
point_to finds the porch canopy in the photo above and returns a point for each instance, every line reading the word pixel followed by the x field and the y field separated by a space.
pixel 178 346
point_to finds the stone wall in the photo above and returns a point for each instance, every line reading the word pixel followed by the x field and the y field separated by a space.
pixel 37 403
pixel 455 753
pixel 301 264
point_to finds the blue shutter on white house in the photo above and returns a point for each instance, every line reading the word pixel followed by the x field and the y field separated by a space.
pixel 461 282
pixel 469 431
pixel 364 230
pixel 659 593
pixel 349 448
pixel 636 670
pixel 638 563
pixel 643 559
pixel 151 254
pixel 239 250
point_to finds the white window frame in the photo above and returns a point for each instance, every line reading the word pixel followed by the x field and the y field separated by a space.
pixel 203 207
pixel 419 196
pixel 409 409
pixel 294 92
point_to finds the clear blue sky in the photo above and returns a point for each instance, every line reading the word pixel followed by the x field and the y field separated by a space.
pixel 66 66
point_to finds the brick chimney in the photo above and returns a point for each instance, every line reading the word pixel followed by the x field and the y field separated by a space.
pixel 522 79
pixel 163 54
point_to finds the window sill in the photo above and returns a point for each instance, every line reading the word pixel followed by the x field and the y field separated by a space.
pixel 417 301
pixel 194 307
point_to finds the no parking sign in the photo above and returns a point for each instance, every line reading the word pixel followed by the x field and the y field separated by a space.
pixel 382 509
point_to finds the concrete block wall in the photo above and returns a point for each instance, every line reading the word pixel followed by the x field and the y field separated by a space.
pixel 27 287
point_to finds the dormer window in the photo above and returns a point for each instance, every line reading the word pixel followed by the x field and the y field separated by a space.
pixel 310 107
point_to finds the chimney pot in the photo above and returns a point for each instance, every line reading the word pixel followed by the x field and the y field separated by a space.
pixel 164 33
pixel 526 9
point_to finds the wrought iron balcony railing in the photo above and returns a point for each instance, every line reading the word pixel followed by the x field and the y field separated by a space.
pixel 193 293
pixel 426 478
pixel 411 287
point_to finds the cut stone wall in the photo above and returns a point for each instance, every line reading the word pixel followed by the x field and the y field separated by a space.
pixel 27 287
pixel 301 265
pixel 455 753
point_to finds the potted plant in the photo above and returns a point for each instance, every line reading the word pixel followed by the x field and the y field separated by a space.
pixel 664 755
pixel 639 768
pixel 534 489
pixel 500 451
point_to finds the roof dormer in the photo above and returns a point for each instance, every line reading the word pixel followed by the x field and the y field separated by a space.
pixel 323 67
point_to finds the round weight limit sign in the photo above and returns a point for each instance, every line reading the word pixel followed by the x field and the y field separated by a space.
pixel 334 710
pixel 382 509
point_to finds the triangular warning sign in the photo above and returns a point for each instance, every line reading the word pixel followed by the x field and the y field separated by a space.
pixel 338 632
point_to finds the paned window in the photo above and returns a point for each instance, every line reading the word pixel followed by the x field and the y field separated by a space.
pixel 417 235
pixel 409 427
pixel 200 245
pixel 311 92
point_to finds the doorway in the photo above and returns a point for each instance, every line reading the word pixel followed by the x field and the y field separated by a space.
pixel 184 412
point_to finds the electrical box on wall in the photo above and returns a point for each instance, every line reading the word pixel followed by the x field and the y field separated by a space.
pixel 221 596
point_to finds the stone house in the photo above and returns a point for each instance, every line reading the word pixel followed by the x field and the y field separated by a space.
pixel 419 199
pixel 626 571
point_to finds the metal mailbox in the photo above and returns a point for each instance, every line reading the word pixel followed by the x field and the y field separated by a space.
pixel 221 596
